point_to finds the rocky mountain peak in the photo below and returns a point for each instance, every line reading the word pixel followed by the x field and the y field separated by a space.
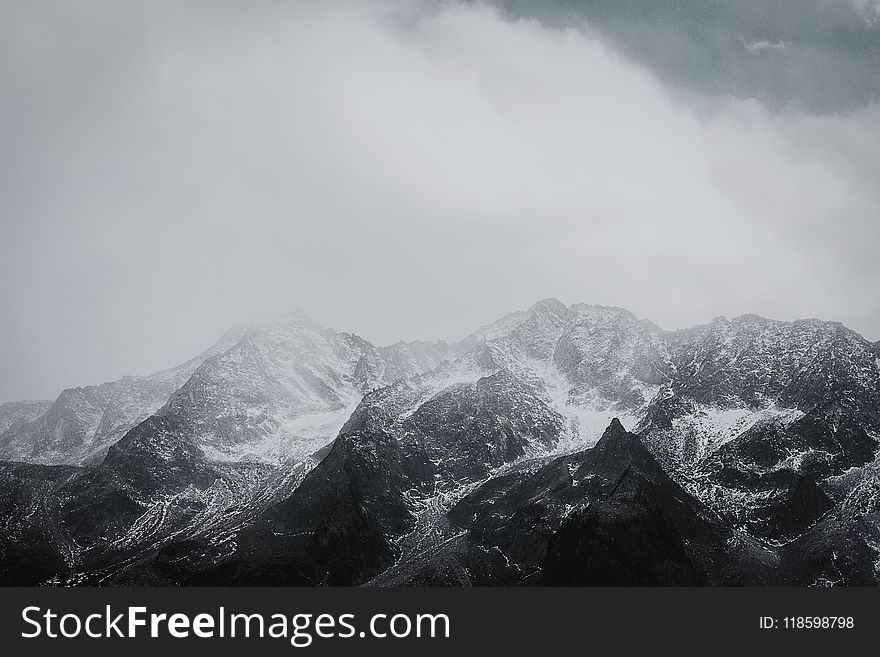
pixel 615 430
pixel 471 463
pixel 550 306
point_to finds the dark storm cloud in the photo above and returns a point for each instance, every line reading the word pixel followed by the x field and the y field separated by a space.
pixel 400 169
pixel 817 55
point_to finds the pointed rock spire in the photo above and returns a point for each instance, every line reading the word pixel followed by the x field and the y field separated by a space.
pixel 614 430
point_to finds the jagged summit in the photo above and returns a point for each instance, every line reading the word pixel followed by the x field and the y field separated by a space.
pixel 292 452
pixel 593 362
pixel 22 412
pixel 614 430
pixel 83 422
pixel 550 305
pixel 752 321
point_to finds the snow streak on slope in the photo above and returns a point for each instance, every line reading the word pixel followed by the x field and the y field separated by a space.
pixel 83 422
pixel 695 434
pixel 212 516
pixel 293 439
pixel 753 417
pixel 285 389
pixel 585 422
pixel 14 413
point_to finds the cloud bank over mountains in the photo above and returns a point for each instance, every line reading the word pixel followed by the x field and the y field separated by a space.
pixel 408 169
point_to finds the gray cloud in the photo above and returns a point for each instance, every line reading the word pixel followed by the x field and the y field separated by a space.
pixel 831 47
pixel 399 169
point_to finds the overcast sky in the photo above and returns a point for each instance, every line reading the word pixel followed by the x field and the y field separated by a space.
pixel 413 169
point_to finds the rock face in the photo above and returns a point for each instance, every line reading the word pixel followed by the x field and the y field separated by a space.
pixel 629 511
pixel 733 375
pixel 283 391
pixel 341 525
pixel 252 395
pixel 34 546
pixel 296 454
pixel 608 515
pixel 79 426
pixel 277 392
pixel 19 413
pixel 338 526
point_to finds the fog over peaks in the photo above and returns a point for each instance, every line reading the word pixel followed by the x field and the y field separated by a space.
pixel 413 170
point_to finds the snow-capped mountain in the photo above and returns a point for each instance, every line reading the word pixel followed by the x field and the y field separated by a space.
pixel 82 423
pixel 297 454
pixel 17 413
pixel 244 397
pixel 285 389
pixel 589 363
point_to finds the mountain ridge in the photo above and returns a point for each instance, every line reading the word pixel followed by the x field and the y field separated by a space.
pixel 304 455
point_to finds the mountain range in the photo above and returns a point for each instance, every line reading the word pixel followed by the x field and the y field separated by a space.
pixel 559 445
